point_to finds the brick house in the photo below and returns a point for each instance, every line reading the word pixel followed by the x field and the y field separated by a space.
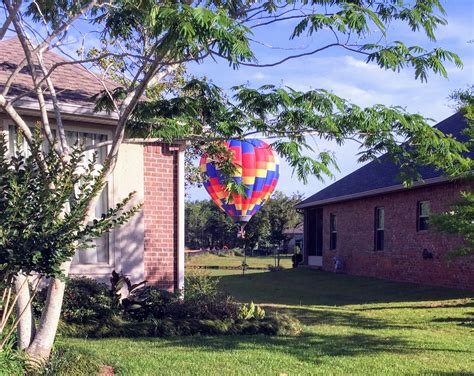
pixel 376 227
pixel 151 245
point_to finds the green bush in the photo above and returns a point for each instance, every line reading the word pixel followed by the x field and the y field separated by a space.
pixel 84 300
pixel 65 361
pixel 91 311
pixel 237 252
pixel 116 327
pixel 11 362
pixel 199 284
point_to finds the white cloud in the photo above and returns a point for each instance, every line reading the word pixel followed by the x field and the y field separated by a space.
pixel 259 76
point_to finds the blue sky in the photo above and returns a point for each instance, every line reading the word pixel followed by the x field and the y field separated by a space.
pixel 348 76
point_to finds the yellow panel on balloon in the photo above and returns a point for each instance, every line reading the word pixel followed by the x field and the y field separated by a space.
pixel 261 173
pixel 249 180
pixel 271 166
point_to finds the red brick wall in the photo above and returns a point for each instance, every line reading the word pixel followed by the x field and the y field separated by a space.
pixel 160 216
pixel 401 260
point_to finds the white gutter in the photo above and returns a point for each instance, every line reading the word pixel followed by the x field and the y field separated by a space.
pixel 373 192
pixel 70 111
pixel 181 212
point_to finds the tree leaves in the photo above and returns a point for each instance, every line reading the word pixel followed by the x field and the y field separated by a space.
pixel 205 116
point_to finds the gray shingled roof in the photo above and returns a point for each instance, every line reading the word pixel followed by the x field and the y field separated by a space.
pixel 74 84
pixel 383 173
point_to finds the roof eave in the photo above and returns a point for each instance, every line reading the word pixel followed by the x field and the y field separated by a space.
pixel 374 192
pixel 70 111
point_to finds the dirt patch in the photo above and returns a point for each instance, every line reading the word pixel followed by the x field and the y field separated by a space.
pixel 106 371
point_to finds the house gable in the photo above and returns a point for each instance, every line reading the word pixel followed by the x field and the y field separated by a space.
pixel 381 175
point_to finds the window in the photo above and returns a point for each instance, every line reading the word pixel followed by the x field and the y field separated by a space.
pixel 332 231
pixel 379 228
pixel 99 253
pixel 424 210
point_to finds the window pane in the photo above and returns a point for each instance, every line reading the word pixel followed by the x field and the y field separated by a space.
pixel 379 240
pixel 333 224
pixel 423 224
pixel 99 253
pixel 379 228
pixel 424 208
pixel 333 241
pixel 380 220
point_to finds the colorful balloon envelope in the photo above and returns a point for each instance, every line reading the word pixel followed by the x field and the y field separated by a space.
pixel 257 167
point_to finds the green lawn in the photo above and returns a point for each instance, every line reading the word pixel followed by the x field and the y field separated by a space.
pixel 236 261
pixel 353 325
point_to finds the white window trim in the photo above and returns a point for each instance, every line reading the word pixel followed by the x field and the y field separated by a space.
pixel 114 256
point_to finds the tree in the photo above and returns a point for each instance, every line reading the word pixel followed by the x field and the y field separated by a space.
pixel 459 219
pixel 36 234
pixel 207 226
pixel 143 45
pixel 283 215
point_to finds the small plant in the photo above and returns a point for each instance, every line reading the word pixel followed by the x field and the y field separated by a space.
pixel 135 295
pixel 297 258
pixel 251 311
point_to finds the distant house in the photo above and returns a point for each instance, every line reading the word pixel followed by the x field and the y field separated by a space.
pixel 151 245
pixel 373 226
pixel 293 238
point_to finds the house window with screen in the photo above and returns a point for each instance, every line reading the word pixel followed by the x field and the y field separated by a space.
pixel 98 253
pixel 423 215
pixel 332 231
pixel 379 228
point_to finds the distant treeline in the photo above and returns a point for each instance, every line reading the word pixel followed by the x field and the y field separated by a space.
pixel 209 227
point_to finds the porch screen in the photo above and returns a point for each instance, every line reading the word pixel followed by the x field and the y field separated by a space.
pixel 314 232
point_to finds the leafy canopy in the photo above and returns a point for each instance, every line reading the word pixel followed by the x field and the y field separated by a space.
pixel 459 219
pixel 135 34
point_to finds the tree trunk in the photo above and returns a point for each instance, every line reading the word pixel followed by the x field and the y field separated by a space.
pixel 24 310
pixel 40 348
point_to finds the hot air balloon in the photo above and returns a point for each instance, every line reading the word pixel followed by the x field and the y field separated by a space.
pixel 257 167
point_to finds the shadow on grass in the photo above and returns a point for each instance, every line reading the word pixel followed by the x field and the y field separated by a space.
pixel 307 348
pixel 338 318
pixel 467 303
pixel 314 287
pixel 466 321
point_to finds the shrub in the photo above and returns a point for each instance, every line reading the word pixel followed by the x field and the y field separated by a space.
pixel 199 284
pixel 273 325
pixel 84 300
pixel 238 252
pixel 285 325
pixel 11 362
pixel 297 259
pixel 66 361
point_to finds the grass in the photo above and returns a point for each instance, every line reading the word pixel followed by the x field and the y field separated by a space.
pixel 236 261
pixel 353 325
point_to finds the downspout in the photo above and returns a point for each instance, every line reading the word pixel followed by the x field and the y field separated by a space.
pixel 180 193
